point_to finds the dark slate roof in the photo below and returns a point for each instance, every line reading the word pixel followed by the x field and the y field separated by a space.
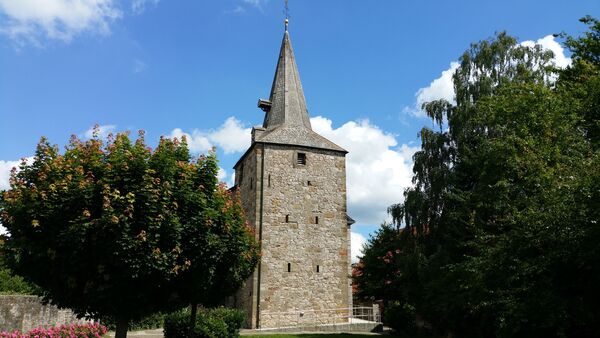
pixel 349 220
pixel 296 136
pixel 287 121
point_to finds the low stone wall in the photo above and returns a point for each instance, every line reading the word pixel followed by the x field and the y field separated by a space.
pixel 18 312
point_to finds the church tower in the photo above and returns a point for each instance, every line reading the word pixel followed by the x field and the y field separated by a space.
pixel 292 183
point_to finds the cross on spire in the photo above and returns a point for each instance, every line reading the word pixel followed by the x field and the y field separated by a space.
pixel 286 119
pixel 287 15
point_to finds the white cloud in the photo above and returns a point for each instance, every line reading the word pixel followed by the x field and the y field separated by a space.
pixel 5 168
pixel 29 21
pixel 231 181
pixel 139 6
pixel 443 88
pixel 241 9
pixel 231 137
pixel 440 88
pixel 226 178
pixel 103 131
pixel 548 43
pixel 357 241
pixel 222 174
pixel 377 169
pixel 238 10
pixel 256 3
pixel 197 141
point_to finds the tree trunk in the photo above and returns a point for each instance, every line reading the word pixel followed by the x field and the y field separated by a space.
pixel 122 326
pixel 192 318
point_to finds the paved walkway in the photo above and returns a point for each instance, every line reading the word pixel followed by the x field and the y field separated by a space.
pixel 259 333
pixel 158 333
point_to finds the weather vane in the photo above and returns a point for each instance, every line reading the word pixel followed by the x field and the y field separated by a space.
pixel 287 15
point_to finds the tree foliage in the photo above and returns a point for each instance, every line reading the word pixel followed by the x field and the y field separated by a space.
pixel 119 230
pixel 9 282
pixel 501 226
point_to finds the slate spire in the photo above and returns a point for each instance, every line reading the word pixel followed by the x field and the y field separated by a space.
pixel 288 105
pixel 286 120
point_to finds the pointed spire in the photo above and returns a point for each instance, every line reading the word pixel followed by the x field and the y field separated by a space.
pixel 288 105
pixel 286 120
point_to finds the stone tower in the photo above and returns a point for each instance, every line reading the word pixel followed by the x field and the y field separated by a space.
pixel 292 183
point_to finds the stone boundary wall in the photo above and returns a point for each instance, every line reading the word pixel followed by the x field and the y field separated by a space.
pixel 20 312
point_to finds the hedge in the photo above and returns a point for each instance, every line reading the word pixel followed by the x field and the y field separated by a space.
pixel 210 323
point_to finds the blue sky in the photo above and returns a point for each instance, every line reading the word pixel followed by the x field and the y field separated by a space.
pixel 198 67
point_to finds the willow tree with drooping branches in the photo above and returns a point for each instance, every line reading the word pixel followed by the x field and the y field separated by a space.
pixel 498 236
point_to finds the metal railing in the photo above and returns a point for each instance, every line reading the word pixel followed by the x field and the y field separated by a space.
pixel 368 313
pixel 302 318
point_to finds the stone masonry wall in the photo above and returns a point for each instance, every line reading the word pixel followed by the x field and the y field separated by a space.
pixel 303 193
pixel 246 179
pixel 18 312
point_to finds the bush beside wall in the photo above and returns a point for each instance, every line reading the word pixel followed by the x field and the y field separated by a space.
pixel 210 323
pixel 154 321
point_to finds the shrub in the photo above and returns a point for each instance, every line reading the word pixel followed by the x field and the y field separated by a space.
pixel 400 317
pixel 176 324
pixel 234 319
pixel 210 323
pixel 9 282
pixel 210 326
pixel 71 331
pixel 153 321
pixel 12 284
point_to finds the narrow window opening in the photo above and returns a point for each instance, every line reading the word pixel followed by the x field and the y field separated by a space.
pixel 318 269
pixel 289 267
pixel 301 159
pixel 251 182
pixel 287 218
pixel 269 181
pixel 316 219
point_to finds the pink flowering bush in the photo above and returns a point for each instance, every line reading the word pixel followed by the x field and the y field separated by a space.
pixel 64 331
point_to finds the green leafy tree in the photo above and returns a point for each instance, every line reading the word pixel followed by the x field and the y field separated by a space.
pixel 379 272
pixel 116 229
pixel 9 282
pixel 222 259
pixel 501 225
pixel 581 79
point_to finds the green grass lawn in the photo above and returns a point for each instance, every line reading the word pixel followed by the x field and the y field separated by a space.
pixel 338 335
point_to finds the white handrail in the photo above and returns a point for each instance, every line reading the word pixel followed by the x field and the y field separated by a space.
pixel 296 318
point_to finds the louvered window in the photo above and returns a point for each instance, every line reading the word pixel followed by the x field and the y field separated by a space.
pixel 301 159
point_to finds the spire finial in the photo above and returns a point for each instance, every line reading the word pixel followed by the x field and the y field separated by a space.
pixel 287 15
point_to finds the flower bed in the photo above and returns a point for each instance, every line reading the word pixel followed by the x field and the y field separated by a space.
pixel 63 331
